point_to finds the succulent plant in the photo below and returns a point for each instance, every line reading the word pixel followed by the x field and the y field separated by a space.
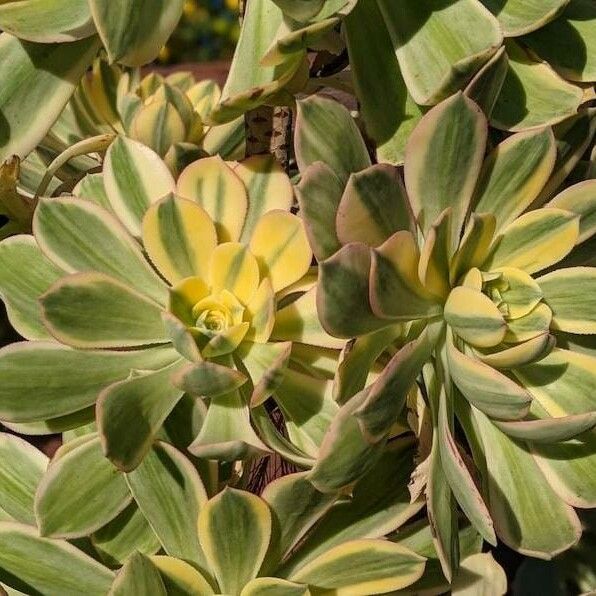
pixel 527 64
pixel 141 289
pixel 459 278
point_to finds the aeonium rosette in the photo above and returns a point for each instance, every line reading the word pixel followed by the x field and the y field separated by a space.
pixel 468 282
pixel 141 290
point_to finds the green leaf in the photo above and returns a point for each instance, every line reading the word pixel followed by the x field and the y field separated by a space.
pixel 571 295
pixel 395 289
pixel 388 110
pixel 424 36
pixel 45 566
pixel 80 237
pixel 549 430
pixel 133 32
pixel 296 507
pixel 138 577
pixel 480 574
pixel 474 317
pixel 581 200
pixel 43 380
pixel 38 80
pixel 21 469
pixel 325 131
pixel 487 389
pixel 180 578
pixel 21 291
pixel 568 43
pixel 208 379
pixel 373 207
pixel 533 95
pixel 535 241
pixel 126 534
pixel 513 175
pixel 486 85
pixel 443 159
pixel 270 586
pixel 362 567
pixel 134 178
pixel 379 504
pixel 318 194
pixel 80 493
pixel 130 414
pixel 47 21
pixel 343 290
pixel 92 310
pixel 170 494
pixel 235 531
pixel 522 16
pixel 528 516
pixel 91 188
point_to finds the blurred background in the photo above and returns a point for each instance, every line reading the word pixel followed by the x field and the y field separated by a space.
pixel 208 31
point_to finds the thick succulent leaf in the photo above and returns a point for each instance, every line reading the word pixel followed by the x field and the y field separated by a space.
pixel 520 292
pixel 249 84
pixel 486 85
pixel 325 131
pixel 235 531
pixel 513 175
pixel 299 322
pixel 379 504
pixel 534 324
pixel 21 469
pixel 374 206
pixel 208 379
pixel 388 110
pixel 571 295
pixel 44 566
pixel 480 574
pixel 362 567
pixel 345 455
pixel 260 311
pixel 80 237
pixel 214 185
pixel 533 95
pixel 387 396
pixel 581 200
pixel 343 293
pixel 93 310
pixel 443 159
pixel 528 515
pixel 126 534
pixel 568 43
pixel 296 507
pixel 308 408
pixel 91 188
pixel 549 430
pixel 226 433
pixel 474 317
pixel 458 476
pixel 435 257
pixel 43 380
pixel 20 292
pixel 489 390
pixel 179 238
pixel 134 178
pixel 423 35
pixel 270 586
pixel 38 80
pixel 133 32
pixel 303 10
pixel 170 494
pixel 138 576
pixel 535 241
pixel 268 188
pixel 80 493
pixel 280 244
pixel 319 193
pixel 130 413
pixel 519 354
pixel 395 288
pixel 181 578
pixel 522 16
pixel 47 21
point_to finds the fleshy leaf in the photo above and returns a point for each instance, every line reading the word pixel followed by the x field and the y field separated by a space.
pixel 521 16
pixel 208 379
pixel 80 493
pixel 234 268
pixel 235 531
pixel 138 576
pixel 581 200
pixel 181 578
pixel 270 586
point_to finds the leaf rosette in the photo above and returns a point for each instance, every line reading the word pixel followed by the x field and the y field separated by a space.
pixel 141 290
pixel 475 294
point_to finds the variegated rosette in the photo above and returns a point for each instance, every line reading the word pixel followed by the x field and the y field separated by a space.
pixel 142 293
